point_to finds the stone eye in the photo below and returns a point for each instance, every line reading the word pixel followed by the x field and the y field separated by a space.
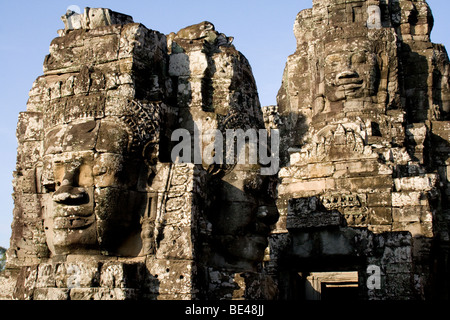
pixel 99 170
pixel 359 58
pixel 49 186
pixel 333 60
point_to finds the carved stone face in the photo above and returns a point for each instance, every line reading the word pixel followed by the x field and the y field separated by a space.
pixel 350 70
pixel 90 201
pixel 243 216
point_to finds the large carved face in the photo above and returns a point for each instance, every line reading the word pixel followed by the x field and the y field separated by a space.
pixel 351 70
pixel 242 217
pixel 91 203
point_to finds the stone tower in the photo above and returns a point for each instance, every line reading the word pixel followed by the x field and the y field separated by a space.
pixel 102 210
pixel 365 111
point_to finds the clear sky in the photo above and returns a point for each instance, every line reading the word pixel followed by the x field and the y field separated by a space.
pixel 262 30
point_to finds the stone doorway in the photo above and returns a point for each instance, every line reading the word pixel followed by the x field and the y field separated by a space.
pixel 331 286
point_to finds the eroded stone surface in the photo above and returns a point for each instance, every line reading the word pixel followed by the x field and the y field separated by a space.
pixel 103 213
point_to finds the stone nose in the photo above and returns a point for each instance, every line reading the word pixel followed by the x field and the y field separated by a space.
pixel 69 193
pixel 268 215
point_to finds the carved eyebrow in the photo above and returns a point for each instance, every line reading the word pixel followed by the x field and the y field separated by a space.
pixel 335 57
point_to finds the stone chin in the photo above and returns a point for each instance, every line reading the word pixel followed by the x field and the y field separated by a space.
pixel 81 240
pixel 251 248
pixel 70 229
pixel 95 229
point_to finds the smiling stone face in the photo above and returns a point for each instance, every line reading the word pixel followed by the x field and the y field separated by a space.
pixel 351 71
pixel 90 184
pixel 345 63
pixel 355 73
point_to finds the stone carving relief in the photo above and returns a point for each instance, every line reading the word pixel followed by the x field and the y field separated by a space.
pixel 333 141
pixel 92 178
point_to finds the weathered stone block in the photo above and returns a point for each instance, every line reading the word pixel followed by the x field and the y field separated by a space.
pixel 198 63
pixel 77 274
pixel 309 213
pixel 171 277
pixel 417 229
pixel 121 275
pixel 319 170
pixel 103 294
pixel 179 65
pixel 45 277
pixel 336 243
pixel 380 215
pixel 93 18
pixel 28 206
pixel 51 294
pixel 177 243
pixel 307 186
pixel 421 183
pixel 101 50
pixel 302 244
pixel 344 200
pixel 28 127
pixel 26 283
pixel 379 199
pixel 411 198
pixel 409 213
pixel 314 220
pixel 178 209
pixel 397 255
pixel 8 280
pixel 370 183
pixel 29 153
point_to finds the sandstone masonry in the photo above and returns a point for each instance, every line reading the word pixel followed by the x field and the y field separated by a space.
pixel 358 210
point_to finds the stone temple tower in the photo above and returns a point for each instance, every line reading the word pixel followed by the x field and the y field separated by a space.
pixel 364 105
pixel 102 209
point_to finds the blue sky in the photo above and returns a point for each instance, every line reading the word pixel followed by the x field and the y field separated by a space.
pixel 262 30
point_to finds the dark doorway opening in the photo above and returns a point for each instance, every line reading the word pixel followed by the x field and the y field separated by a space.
pixel 340 291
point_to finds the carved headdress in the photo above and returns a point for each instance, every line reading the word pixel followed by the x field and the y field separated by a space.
pixel 140 119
